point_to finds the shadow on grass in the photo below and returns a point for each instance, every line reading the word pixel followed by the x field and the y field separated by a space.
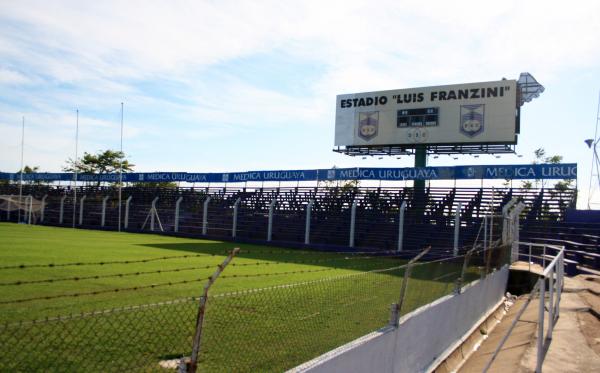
pixel 444 272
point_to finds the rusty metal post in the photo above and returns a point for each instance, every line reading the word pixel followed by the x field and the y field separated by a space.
pixel 461 279
pixel 407 272
pixel 202 309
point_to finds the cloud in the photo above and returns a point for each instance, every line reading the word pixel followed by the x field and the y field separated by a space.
pixel 160 58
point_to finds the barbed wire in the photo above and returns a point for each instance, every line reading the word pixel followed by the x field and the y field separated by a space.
pixel 170 283
pixel 224 252
pixel 160 271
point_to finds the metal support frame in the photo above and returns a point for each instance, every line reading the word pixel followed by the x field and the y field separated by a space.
pixel 397 308
pixel 205 216
pixel 401 226
pixel 540 333
pixel 153 213
pixel 81 209
pixel 8 207
pixel 197 341
pixel 126 218
pixel 30 209
pixel 103 219
pixel 43 208
pixel 307 229
pixel 236 207
pixel 505 213
pixel 61 213
pixel 352 224
pixel 456 228
pixel 270 225
pixel 510 227
pixel 177 203
pixel 485 232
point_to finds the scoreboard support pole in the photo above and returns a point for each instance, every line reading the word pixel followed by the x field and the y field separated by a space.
pixel 419 185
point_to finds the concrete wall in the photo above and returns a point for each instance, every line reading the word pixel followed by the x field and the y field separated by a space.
pixel 423 338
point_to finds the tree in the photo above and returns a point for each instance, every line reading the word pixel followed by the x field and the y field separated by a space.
pixel 156 184
pixel 30 170
pixel 540 157
pixel 103 162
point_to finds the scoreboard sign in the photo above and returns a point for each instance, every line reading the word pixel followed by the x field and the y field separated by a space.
pixel 475 113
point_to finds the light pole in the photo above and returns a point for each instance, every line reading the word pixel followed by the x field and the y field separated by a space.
pixel 21 179
pixel 75 167
pixel 121 168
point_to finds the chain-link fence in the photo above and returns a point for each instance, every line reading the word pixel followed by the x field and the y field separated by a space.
pixel 266 329
pixel 116 340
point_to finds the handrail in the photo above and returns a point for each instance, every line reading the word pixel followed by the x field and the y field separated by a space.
pixel 553 273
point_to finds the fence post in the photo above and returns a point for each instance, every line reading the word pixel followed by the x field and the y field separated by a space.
pixel 270 226
pixel 550 304
pixel 61 213
pixel 177 203
pixel 81 210
pixel 407 273
pixel 401 226
pixel 202 308
pixel 485 232
pixel 559 278
pixel 456 228
pixel 540 336
pixel 103 219
pixel 8 207
pixel 236 206
pixel 505 217
pixel 30 209
pixel 205 216
pixel 152 213
pixel 43 208
pixel 461 279
pixel 307 229
pixel 352 223
pixel 126 222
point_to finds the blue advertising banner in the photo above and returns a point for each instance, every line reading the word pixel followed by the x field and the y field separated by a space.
pixel 527 171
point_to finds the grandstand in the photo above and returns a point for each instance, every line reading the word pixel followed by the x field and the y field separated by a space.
pixel 428 220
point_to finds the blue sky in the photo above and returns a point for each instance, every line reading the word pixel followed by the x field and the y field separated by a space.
pixel 242 85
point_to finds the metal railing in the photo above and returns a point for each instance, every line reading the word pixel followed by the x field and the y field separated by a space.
pixel 548 289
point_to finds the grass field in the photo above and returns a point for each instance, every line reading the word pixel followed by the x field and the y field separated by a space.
pixel 334 300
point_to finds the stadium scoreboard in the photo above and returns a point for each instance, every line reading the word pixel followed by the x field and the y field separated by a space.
pixel 470 113
pixel 426 117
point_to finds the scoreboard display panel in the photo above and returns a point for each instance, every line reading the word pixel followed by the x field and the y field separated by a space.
pixel 473 113
pixel 417 117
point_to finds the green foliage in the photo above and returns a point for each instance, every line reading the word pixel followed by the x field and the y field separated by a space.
pixel 156 184
pixel 527 184
pixel 341 186
pixel 31 170
pixel 540 157
pixel 103 162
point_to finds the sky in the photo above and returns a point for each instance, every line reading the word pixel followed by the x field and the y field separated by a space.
pixel 226 86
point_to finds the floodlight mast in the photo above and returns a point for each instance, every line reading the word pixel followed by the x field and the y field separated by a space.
pixel 121 168
pixel 76 164
pixel 21 179
pixel 592 143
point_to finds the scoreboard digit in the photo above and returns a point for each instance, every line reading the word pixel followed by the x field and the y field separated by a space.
pixel 424 117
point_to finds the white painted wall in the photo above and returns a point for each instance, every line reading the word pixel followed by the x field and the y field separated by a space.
pixel 423 337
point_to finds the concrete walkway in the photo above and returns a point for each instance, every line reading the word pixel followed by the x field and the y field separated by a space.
pixel 510 356
pixel 575 345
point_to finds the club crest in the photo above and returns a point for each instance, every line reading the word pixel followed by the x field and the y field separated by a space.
pixel 471 119
pixel 368 123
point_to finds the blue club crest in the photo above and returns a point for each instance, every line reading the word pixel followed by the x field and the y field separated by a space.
pixel 471 119
pixel 368 124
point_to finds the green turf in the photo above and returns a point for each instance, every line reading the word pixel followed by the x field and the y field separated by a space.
pixel 335 300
